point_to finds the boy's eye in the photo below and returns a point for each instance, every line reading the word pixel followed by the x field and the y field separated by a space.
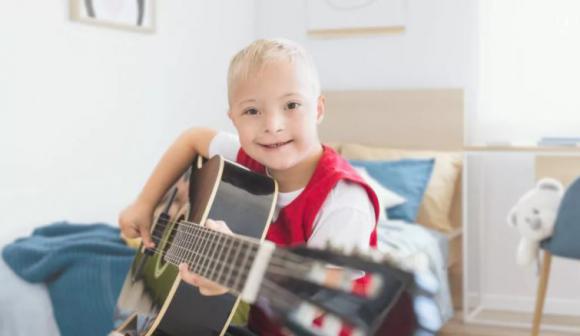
pixel 292 105
pixel 251 111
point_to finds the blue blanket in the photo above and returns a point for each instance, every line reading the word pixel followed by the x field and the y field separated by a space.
pixel 84 267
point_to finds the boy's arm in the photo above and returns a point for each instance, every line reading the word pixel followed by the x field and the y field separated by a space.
pixel 135 220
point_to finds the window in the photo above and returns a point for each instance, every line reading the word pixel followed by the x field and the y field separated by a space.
pixel 529 75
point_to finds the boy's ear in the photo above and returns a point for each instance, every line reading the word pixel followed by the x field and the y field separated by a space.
pixel 320 108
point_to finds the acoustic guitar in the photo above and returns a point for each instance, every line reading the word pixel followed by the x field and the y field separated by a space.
pixel 284 282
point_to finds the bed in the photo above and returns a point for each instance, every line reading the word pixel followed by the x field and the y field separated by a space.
pixel 381 125
pixel 410 123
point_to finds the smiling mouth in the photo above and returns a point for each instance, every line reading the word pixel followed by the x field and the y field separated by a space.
pixel 275 145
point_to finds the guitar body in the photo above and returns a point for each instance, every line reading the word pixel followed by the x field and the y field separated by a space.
pixel 154 300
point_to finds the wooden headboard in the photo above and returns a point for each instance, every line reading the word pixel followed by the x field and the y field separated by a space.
pixel 426 119
pixel 411 119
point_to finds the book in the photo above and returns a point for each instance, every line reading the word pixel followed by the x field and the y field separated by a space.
pixel 559 142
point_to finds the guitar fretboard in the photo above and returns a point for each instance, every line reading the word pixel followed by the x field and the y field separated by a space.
pixel 220 257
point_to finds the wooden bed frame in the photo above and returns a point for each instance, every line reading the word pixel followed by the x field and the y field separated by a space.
pixel 426 119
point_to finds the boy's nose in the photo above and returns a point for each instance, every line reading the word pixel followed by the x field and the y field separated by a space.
pixel 273 123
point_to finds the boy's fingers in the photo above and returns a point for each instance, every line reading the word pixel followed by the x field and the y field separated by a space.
pixel 146 236
pixel 218 225
pixel 130 232
pixel 186 275
pixel 206 287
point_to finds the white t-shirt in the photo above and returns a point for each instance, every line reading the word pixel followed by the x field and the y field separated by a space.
pixel 346 218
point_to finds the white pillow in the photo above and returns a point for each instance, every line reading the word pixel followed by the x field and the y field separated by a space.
pixel 387 198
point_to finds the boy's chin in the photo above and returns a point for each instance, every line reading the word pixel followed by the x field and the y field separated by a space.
pixel 278 165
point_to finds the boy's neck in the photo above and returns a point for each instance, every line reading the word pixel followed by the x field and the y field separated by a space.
pixel 297 177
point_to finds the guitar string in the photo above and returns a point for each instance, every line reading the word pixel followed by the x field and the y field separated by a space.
pixel 282 262
pixel 286 259
pixel 284 296
pixel 236 281
pixel 254 242
pixel 220 281
pixel 241 278
pixel 207 263
pixel 279 264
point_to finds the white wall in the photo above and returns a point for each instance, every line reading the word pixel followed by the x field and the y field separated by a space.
pixel 86 112
pixel 438 48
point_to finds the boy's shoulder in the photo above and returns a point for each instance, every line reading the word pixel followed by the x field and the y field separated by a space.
pixel 351 195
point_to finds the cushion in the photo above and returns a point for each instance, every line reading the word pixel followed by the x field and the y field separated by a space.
pixel 564 240
pixel 387 198
pixel 407 177
pixel 435 209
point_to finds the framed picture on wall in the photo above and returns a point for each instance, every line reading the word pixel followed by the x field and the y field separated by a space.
pixel 328 18
pixel 135 15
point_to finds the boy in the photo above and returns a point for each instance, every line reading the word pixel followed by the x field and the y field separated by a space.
pixel 275 105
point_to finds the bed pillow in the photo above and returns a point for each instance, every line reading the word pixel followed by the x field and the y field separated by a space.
pixel 435 210
pixel 408 178
pixel 387 198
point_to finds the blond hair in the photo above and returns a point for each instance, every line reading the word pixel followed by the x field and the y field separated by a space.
pixel 253 57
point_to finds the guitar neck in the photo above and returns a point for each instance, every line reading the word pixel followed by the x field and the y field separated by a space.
pixel 226 259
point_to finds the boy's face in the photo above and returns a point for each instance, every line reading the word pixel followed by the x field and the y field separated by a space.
pixel 276 113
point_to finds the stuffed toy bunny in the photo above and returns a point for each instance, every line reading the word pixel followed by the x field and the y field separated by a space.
pixel 534 216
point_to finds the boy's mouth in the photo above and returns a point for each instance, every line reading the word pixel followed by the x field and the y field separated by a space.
pixel 276 144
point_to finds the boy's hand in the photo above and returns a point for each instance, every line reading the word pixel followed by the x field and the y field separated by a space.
pixel 135 221
pixel 206 287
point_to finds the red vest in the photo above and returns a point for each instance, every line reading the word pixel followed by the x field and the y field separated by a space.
pixel 294 223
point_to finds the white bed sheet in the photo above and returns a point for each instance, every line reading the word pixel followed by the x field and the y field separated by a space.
pixel 403 238
pixel 25 308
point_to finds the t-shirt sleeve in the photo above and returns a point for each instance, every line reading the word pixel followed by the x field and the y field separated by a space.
pixel 226 145
pixel 346 219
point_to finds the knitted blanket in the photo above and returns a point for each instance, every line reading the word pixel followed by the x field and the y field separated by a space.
pixel 84 267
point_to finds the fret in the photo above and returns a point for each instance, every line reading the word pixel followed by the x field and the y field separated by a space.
pixel 184 232
pixel 190 231
pixel 195 244
pixel 218 262
pixel 246 263
pixel 233 242
pixel 219 257
pixel 198 259
pixel 241 266
pixel 210 261
pixel 177 249
pixel 198 248
pixel 223 261
pixel 179 239
pixel 174 248
pixel 234 271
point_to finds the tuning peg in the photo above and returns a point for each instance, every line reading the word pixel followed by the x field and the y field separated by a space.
pixel 357 332
pixel 376 256
pixel 328 245
pixel 376 284
pixel 355 252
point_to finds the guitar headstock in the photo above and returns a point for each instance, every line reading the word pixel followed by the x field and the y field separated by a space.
pixel 357 290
